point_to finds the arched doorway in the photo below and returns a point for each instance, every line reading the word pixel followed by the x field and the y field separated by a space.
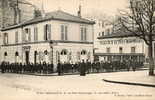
pixel 84 55
pixel 63 56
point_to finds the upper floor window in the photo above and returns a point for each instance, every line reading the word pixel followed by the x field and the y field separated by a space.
pixel 16 37
pixel 47 32
pixel 133 49
pixel 64 32
pixel 35 33
pixel 120 50
pixel 108 49
pixel 108 31
pixel 5 38
pixel 83 33
pixel 102 33
pixel 102 24
pixel 27 37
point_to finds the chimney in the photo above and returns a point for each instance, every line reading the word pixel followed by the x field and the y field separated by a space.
pixel 79 11
pixel 42 10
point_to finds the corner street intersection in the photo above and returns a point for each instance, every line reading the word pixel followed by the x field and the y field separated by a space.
pixel 73 87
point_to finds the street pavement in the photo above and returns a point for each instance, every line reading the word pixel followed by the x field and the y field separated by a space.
pixel 132 78
pixel 74 87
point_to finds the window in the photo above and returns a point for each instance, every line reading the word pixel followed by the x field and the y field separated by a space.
pixel 108 31
pixel 46 52
pixel 35 33
pixel 5 54
pixel 83 33
pixel 83 52
pixel 120 50
pixel 47 32
pixel 99 34
pixel 133 49
pixel 64 32
pixel 16 37
pixel 5 39
pixel 102 24
pixel 102 33
pixel 16 54
pixel 108 50
pixel 27 37
pixel 64 52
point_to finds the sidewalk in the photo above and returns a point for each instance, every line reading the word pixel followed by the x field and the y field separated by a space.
pixel 139 78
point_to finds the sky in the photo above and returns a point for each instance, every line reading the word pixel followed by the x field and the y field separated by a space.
pixel 108 7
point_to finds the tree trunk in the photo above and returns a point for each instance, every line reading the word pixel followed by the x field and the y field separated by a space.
pixel 151 62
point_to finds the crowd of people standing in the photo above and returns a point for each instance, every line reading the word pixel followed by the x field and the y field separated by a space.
pixel 82 67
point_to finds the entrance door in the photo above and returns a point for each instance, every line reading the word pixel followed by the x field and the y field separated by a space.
pixel 27 57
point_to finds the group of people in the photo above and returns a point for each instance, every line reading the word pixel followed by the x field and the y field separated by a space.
pixel 26 68
pixel 98 66
pixel 82 67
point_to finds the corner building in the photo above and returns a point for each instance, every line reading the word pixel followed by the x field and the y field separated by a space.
pixel 55 36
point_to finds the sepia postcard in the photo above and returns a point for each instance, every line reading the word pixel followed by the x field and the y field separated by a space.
pixel 77 49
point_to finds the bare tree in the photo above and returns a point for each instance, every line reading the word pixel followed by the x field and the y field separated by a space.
pixel 139 20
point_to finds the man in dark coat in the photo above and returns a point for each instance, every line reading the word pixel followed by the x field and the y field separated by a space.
pixel 88 66
pixel 59 68
pixel 3 67
pixel 82 68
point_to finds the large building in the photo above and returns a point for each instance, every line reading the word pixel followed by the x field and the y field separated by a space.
pixel 55 36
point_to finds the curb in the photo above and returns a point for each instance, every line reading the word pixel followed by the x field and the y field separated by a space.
pixel 129 83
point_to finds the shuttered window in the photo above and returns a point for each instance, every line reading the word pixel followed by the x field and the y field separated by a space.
pixel 47 32
pixel 64 32
pixel 16 37
pixel 83 31
pixel 35 33
pixel 27 35
pixel 5 38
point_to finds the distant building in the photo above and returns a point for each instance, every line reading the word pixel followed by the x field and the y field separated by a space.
pixel 50 38
pixel 101 28
pixel 120 46
pixel 15 11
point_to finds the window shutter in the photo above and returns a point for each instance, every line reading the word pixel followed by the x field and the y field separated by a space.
pixel 66 31
pixel 36 33
pixel 62 32
pixel 85 34
pixel 4 39
pixel 81 34
pixel 49 31
pixel 7 38
pixel 44 32
pixel 29 34
pixel 16 37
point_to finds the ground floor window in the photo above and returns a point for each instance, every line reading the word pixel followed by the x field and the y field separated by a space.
pixel 16 57
pixel 63 56
pixel 5 56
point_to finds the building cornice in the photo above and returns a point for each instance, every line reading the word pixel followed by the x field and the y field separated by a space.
pixel 50 42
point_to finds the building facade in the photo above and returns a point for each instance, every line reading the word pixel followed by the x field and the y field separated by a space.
pixel 56 36
pixel 121 46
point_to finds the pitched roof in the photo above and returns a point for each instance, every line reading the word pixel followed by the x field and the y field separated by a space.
pixel 118 34
pixel 56 15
